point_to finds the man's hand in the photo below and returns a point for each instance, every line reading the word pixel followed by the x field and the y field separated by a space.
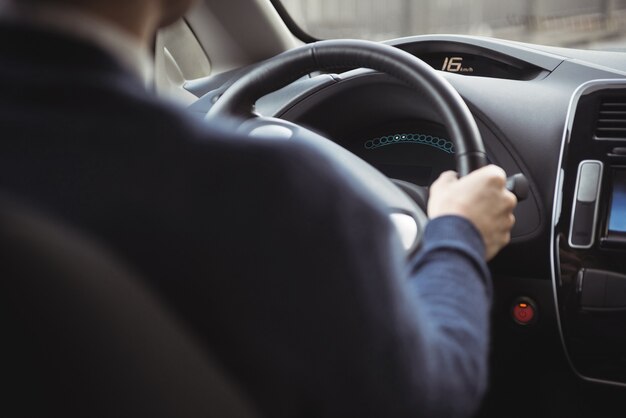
pixel 482 198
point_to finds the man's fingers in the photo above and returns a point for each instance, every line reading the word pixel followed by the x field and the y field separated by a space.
pixel 482 198
pixel 494 170
pixel 511 200
pixel 446 177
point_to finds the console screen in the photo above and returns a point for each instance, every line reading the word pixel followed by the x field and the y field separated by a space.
pixel 617 215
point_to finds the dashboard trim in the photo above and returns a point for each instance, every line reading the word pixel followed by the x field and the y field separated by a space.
pixel 582 90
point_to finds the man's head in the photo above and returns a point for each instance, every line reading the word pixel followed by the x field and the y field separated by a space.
pixel 141 17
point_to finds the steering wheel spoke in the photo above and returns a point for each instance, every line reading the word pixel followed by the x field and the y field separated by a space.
pixel 237 104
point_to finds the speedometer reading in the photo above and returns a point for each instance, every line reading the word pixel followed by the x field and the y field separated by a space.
pixel 455 65
pixel 477 65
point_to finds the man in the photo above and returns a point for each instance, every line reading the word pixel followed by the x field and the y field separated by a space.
pixel 292 276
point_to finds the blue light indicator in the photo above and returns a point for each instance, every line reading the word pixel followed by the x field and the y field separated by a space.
pixel 441 144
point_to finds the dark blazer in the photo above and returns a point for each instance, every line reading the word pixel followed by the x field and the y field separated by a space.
pixel 291 274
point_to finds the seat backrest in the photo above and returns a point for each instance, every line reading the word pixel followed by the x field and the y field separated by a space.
pixel 82 337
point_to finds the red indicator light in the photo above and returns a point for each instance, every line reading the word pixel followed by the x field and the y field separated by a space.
pixel 523 313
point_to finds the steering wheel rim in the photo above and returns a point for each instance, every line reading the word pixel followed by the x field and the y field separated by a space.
pixel 236 105
pixel 238 100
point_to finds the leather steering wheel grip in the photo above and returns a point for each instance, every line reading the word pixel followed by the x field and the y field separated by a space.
pixel 238 101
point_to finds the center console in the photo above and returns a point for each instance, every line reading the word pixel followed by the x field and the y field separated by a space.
pixel 589 233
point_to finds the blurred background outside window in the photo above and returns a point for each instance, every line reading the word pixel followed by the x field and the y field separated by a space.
pixel 596 24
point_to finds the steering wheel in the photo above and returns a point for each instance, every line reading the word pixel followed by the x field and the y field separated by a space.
pixel 237 105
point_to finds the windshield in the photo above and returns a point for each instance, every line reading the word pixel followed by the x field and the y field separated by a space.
pixel 594 24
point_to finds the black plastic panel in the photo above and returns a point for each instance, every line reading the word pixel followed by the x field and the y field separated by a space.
pixel 591 282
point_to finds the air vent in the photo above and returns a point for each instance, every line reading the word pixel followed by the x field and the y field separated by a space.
pixel 611 122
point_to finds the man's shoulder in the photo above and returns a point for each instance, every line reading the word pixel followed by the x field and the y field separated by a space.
pixel 89 113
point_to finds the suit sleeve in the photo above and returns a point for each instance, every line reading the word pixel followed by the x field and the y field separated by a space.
pixel 370 332
pixel 420 344
pixel 450 287
pixel 319 313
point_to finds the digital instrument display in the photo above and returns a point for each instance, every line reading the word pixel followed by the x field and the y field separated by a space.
pixel 477 65
pixel 617 214
pixel 416 156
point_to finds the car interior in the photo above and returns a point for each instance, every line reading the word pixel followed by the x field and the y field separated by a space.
pixel 553 117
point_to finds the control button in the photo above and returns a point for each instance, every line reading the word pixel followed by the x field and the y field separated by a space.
pixel 524 311
pixel 603 289
pixel 585 205
pixel 615 291
pixel 593 288
pixel 589 181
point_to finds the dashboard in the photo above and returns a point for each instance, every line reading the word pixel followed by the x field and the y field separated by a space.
pixel 556 115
